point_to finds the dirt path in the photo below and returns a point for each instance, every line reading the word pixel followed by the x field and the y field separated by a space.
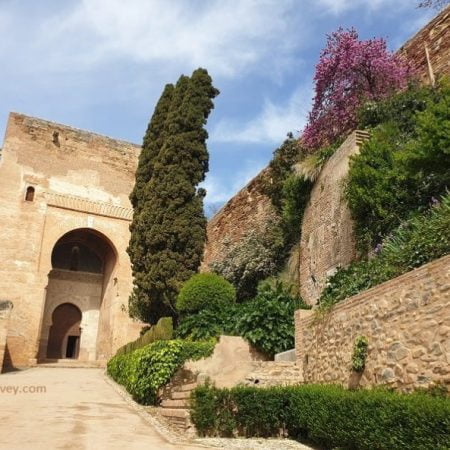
pixel 67 408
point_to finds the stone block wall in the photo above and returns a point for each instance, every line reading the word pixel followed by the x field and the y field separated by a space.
pixel 406 321
pixel 327 239
pixel 435 36
pixel 249 209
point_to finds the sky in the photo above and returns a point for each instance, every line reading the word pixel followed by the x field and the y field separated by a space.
pixel 101 65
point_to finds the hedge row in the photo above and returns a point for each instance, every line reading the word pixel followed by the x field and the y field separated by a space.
pixel 144 371
pixel 326 415
pixel 162 331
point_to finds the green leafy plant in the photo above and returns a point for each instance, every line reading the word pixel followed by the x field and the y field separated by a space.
pixel 421 239
pixel 205 290
pixel 360 354
pixel 144 371
pixel 325 415
pixel 267 322
pixel 403 166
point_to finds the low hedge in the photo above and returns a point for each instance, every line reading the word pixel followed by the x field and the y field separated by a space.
pixel 143 371
pixel 326 415
pixel 162 331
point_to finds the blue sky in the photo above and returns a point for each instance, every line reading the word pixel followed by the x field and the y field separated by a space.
pixel 101 65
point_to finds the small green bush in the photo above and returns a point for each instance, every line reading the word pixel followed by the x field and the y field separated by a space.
pixel 326 415
pixel 267 321
pixel 360 354
pixel 208 323
pixel 403 166
pixel 162 331
pixel 142 372
pixel 422 239
pixel 205 290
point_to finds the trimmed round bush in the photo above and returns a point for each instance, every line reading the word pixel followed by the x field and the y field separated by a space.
pixel 205 290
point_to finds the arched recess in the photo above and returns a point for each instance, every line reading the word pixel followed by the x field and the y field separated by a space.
pixel 65 332
pixel 82 275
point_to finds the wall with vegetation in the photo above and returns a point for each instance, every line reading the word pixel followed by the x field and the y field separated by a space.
pixel 249 210
pixel 327 239
pixel 407 325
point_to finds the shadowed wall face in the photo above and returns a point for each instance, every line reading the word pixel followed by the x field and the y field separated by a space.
pixel 66 321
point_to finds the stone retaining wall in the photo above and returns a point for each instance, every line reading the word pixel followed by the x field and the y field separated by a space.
pixel 406 321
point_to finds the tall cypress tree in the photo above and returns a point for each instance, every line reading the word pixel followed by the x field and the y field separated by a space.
pixel 169 225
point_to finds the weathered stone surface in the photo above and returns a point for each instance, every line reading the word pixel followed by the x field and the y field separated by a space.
pixel 327 239
pixel 248 210
pixel 435 36
pixel 81 181
pixel 403 350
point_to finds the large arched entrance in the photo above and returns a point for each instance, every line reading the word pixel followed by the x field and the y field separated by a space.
pixel 76 314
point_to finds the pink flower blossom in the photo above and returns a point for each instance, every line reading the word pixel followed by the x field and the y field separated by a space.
pixel 349 73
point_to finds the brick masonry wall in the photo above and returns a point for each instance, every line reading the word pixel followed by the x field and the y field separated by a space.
pixel 436 37
pixel 406 321
pixel 249 209
pixel 82 181
pixel 327 239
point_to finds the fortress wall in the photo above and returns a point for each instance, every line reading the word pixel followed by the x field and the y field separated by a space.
pixel 248 210
pixel 81 180
pixel 436 37
pixel 406 321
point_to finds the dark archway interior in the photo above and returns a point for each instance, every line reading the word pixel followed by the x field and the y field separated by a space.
pixel 65 332
pixel 82 251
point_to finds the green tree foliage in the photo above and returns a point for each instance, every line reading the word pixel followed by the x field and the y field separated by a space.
pixel 168 228
pixel 280 168
pixel 404 166
pixel 421 239
pixel 205 290
pixel 267 321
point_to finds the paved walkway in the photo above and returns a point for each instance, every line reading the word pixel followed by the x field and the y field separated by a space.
pixel 78 410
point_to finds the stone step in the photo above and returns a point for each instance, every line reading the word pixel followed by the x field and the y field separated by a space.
pixel 174 404
pixel 186 387
pixel 178 413
pixel 180 395
pixel 70 363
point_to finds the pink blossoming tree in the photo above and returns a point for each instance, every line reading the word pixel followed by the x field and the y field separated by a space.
pixel 349 73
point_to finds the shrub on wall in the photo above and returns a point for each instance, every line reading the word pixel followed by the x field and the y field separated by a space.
pixel 267 321
pixel 205 290
pixel 143 371
pixel 257 255
pixel 326 415
pixel 422 239
pixel 405 164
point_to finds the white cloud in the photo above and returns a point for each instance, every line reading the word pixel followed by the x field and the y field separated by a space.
pixel 339 6
pixel 226 36
pixel 271 125
pixel 220 190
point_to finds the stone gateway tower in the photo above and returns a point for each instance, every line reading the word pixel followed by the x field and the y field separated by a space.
pixel 64 214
